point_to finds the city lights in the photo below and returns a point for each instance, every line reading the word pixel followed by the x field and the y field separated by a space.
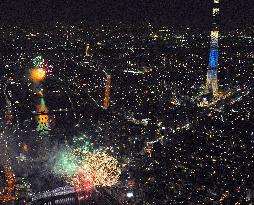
pixel 154 110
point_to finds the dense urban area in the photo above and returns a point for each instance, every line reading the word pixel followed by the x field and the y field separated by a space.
pixel 117 114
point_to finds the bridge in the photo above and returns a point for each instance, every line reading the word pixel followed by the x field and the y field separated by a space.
pixel 69 196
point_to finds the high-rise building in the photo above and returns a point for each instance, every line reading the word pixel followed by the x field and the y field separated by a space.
pixel 87 49
pixel 106 101
pixel 42 117
pixel 212 81
pixel 7 188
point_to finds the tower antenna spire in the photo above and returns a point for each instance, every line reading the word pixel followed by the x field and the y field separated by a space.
pixel 212 80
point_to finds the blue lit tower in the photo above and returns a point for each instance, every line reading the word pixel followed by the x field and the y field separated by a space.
pixel 212 81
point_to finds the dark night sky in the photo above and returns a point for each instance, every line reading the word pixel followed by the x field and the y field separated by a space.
pixel 164 11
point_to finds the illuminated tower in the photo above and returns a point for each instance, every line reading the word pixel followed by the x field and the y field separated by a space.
pixel 212 81
pixel 6 189
pixel 106 101
pixel 42 117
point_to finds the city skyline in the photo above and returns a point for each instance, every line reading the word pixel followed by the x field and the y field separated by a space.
pixel 188 12
pixel 126 102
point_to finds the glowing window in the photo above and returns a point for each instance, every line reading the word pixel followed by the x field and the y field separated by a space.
pixel 214 34
pixel 216 11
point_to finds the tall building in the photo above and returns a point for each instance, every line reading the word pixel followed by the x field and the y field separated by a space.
pixel 212 81
pixel 87 49
pixel 7 177
pixel 42 117
pixel 106 102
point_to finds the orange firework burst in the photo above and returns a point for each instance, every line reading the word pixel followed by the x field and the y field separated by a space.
pixel 86 170
pixel 37 75
pixel 105 169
